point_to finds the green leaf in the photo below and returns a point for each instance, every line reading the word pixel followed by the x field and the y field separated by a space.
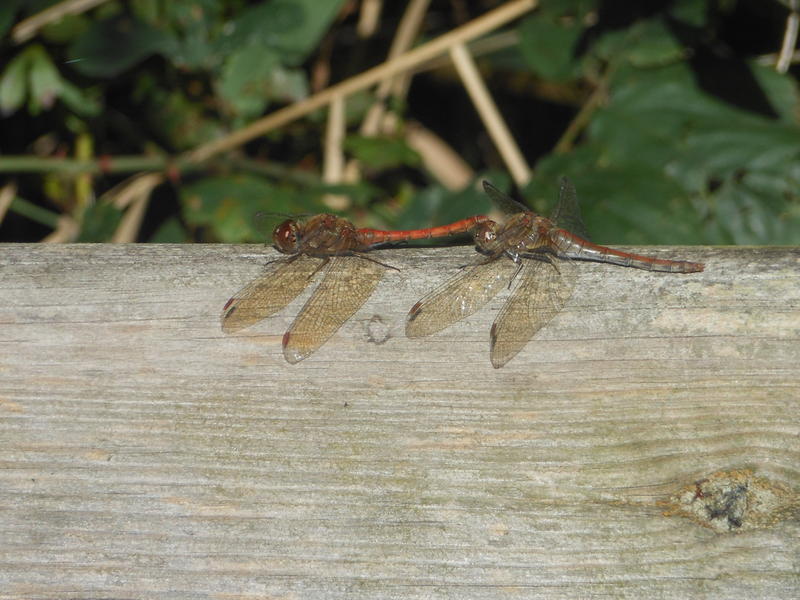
pixel 722 152
pixel 659 145
pixel 636 206
pixel 171 231
pixel 436 205
pixel 629 203
pixel 293 28
pixel 754 209
pixel 253 76
pixel 33 71
pixel 422 208
pixel 690 12
pixel 652 44
pixel 110 47
pixel 99 222
pixel 45 80
pixel 781 89
pixel 243 80
pixel 79 100
pixel 230 206
pixel 14 84
pixel 195 26
pixel 265 24
pixel 180 121
pixel 360 194
pixel 461 204
pixel 548 46
pixel 381 152
pixel 66 29
pixel 226 204
pixel 660 117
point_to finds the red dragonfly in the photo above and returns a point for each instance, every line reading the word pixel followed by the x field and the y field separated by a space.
pixel 321 241
pixel 545 283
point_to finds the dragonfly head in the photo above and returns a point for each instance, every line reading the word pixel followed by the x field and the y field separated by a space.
pixel 485 236
pixel 286 237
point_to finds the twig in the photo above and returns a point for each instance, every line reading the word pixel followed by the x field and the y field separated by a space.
pixel 136 164
pixel 438 157
pixel 580 121
pixel 490 115
pixel 368 17
pixel 7 195
pixel 404 37
pixel 584 115
pixel 94 166
pixel 409 60
pixel 406 33
pixel 66 230
pixel 125 193
pixel 333 159
pixel 789 38
pixel 477 48
pixel 772 58
pixel 25 30
pixel 133 194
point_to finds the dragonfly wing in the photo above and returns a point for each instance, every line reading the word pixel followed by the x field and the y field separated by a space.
pixel 459 297
pixel 503 201
pixel 347 284
pixel 567 213
pixel 268 293
pixel 543 290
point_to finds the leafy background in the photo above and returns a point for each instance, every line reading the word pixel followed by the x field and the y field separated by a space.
pixel 669 116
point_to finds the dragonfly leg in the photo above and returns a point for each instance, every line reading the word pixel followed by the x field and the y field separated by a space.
pixel 377 262
pixel 517 260
pixel 549 258
pixel 480 263
pixel 279 259
pixel 324 262
pixel 487 258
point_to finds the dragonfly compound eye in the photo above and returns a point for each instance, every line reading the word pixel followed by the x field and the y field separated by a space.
pixel 285 237
pixel 486 235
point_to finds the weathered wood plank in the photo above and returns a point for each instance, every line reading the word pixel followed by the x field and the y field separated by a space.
pixel 145 454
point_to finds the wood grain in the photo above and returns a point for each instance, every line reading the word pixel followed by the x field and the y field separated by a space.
pixel 645 444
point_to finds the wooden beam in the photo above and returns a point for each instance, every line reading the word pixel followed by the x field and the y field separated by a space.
pixel 644 444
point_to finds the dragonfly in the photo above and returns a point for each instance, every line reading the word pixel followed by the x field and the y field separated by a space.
pixel 322 242
pixel 542 252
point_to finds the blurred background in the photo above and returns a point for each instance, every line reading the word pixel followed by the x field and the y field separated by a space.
pixel 180 121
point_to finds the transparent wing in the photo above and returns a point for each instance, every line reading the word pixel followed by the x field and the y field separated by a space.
pixel 459 297
pixel 348 282
pixel 268 293
pixel 567 213
pixel 543 290
pixel 503 201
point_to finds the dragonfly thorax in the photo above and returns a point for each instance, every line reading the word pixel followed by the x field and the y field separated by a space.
pixel 322 235
pixel 522 233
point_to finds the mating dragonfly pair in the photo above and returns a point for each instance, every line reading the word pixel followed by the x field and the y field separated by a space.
pixel 539 253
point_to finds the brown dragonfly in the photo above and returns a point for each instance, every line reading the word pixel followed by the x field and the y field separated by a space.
pixel 539 250
pixel 322 241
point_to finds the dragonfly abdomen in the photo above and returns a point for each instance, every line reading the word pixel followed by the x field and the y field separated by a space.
pixel 571 246
pixel 371 237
